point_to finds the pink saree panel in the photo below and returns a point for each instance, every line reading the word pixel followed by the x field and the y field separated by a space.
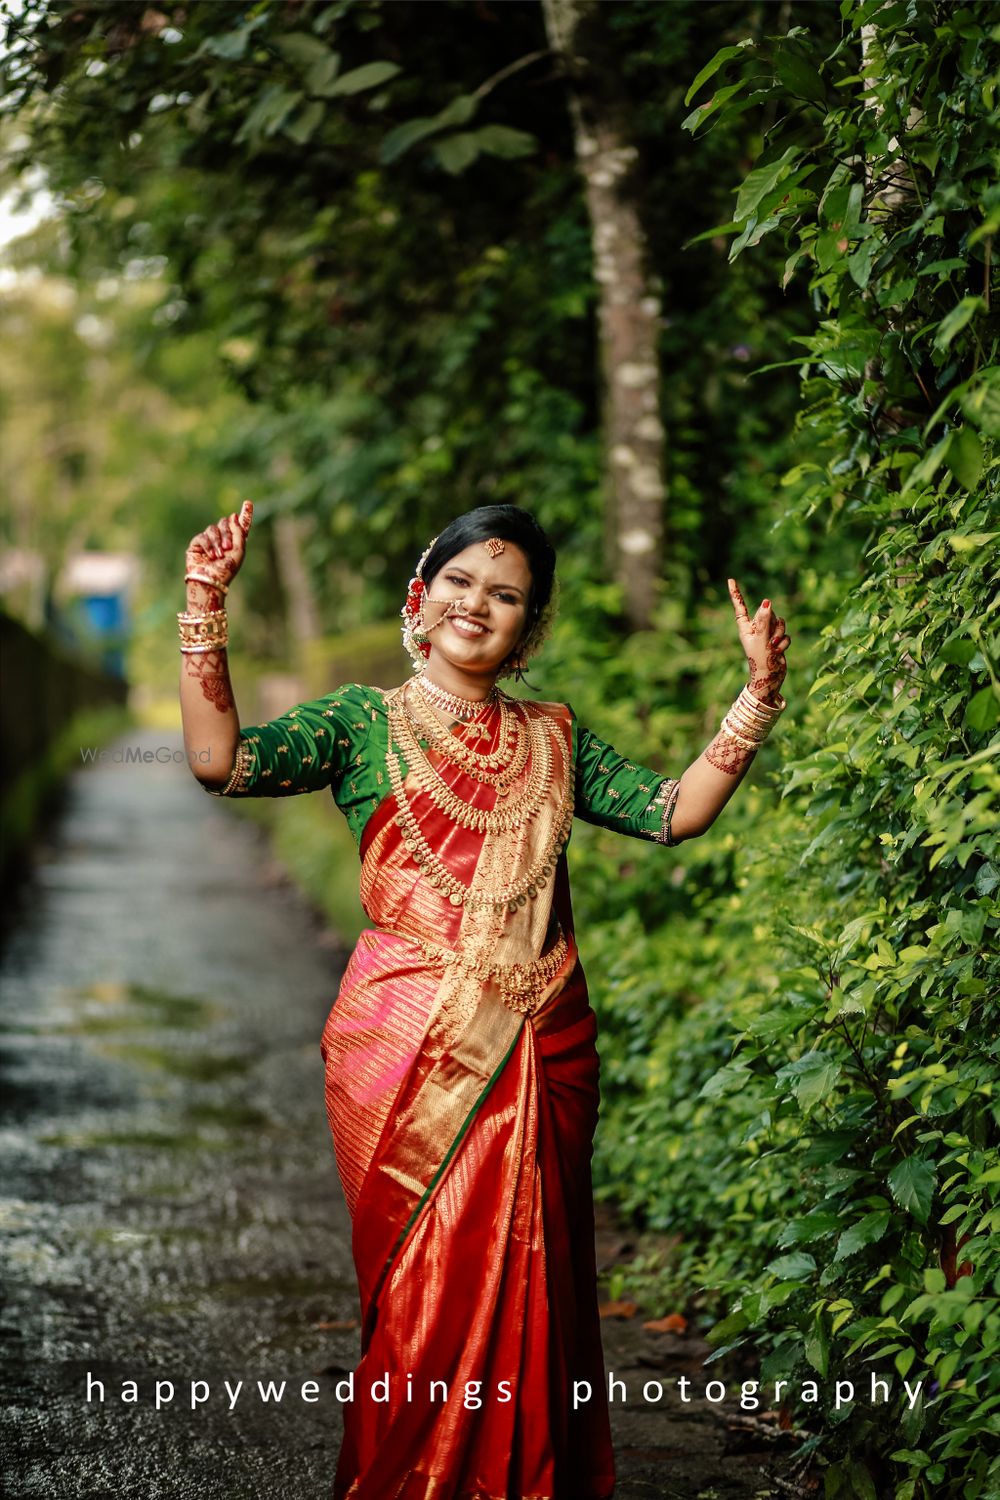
pixel 462 1094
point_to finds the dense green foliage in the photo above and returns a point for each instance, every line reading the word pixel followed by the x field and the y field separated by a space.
pixel 413 332
pixel 864 1079
pixel 416 340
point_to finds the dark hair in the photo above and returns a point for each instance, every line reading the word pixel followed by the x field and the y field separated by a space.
pixel 511 524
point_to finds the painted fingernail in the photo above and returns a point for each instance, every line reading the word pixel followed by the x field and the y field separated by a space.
pixel 766 604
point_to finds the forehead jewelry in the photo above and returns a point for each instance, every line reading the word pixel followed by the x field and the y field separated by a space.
pixel 494 546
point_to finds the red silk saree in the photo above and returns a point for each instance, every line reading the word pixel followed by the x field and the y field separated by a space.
pixel 462 1096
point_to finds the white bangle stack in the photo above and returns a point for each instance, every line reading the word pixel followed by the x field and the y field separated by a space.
pixel 750 720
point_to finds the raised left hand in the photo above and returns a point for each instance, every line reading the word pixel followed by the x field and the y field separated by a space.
pixel 765 642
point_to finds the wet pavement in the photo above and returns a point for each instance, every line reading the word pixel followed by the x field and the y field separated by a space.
pixel 170 1209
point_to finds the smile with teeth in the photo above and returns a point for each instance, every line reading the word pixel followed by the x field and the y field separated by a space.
pixel 465 626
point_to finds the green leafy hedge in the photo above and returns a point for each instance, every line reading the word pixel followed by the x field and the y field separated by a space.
pixel 834 1178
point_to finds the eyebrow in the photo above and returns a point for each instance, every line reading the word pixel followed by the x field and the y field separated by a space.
pixel 510 587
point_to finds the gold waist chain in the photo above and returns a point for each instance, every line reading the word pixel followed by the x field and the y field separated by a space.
pixel 520 984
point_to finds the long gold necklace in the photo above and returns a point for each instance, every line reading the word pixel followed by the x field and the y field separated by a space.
pixel 511 895
pixel 508 813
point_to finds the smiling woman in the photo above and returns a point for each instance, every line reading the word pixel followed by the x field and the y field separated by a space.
pixel 460 1056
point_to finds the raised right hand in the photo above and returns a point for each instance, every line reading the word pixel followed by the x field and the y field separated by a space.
pixel 218 551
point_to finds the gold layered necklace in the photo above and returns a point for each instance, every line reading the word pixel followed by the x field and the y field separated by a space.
pixel 534 740
pixel 498 768
pixel 513 810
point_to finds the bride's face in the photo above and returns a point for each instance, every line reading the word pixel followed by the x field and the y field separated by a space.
pixel 476 607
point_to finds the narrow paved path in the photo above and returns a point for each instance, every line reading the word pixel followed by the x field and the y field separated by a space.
pixel 170 1210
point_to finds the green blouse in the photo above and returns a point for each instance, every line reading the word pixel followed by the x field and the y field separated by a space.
pixel 340 741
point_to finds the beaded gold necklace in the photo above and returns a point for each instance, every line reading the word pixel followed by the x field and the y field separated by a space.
pixel 512 811
pixel 499 768
pixel 511 894
pixel 451 703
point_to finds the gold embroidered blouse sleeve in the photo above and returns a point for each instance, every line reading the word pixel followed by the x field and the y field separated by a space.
pixel 619 794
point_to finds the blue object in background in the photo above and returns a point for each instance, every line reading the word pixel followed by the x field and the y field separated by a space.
pixel 105 615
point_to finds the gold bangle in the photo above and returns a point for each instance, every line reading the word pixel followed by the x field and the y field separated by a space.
pixel 204 578
pixel 204 628
pixel 749 721
pixel 238 776
pixel 219 645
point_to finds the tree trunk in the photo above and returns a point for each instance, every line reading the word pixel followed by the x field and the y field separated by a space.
pixel 300 600
pixel 629 309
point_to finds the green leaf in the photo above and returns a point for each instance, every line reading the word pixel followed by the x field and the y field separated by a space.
pixel 955 321
pixel 798 1266
pixel 912 1182
pixel 758 183
pixel 320 76
pixel 923 472
pixel 303 127
pixel 811 1077
pixel 861 260
pixel 231 45
pixel 814 1226
pixel 302 48
pixel 459 112
pixel 817 1346
pixel 273 106
pixel 958 652
pixel 735 1322
pixel 406 135
pixel 983 710
pixel 698 116
pixel 865 1232
pixel 712 67
pixel 980 401
pixel 965 457
pixel 971 541
pixel 732 1076
pixel 504 141
pixel 368 76
pixel 799 76
pixel 456 152
pixel 711 234
pixel 752 235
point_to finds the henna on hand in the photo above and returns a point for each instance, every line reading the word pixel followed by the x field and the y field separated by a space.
pixel 218 551
pixel 727 754
pixel 765 642
pixel 765 681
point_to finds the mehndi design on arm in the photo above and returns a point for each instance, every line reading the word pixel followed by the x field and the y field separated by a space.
pixel 726 754
pixel 211 670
